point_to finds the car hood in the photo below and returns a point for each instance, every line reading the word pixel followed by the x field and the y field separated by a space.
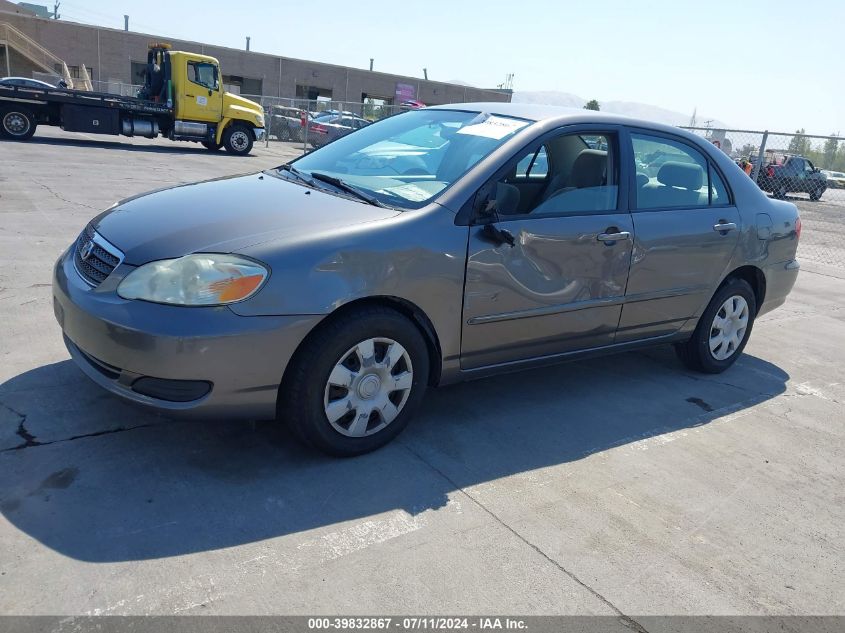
pixel 225 215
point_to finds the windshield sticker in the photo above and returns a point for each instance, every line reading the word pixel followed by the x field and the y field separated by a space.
pixel 495 127
pixel 415 193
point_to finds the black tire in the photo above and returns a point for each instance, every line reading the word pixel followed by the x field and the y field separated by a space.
pixel 779 191
pixel 238 139
pixel 817 193
pixel 17 124
pixel 301 403
pixel 695 353
pixel 211 146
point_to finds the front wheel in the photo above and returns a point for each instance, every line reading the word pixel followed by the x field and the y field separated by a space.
pixel 356 383
pixel 18 125
pixel 723 329
pixel 816 194
pixel 237 139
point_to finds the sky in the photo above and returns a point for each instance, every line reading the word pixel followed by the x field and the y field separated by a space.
pixel 757 64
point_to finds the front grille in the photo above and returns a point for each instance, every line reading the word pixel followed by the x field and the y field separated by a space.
pixel 100 259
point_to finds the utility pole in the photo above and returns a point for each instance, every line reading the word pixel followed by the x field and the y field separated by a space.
pixel 125 22
pixel 56 6
pixel 247 42
pixel 371 64
pixel 425 73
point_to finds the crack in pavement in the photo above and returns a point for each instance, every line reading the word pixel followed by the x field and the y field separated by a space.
pixel 29 440
pixel 625 620
pixel 62 198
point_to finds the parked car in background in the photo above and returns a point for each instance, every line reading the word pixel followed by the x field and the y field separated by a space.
pixel 325 129
pixel 286 122
pixel 835 179
pixel 332 297
pixel 792 173
pixel 412 104
pixel 25 82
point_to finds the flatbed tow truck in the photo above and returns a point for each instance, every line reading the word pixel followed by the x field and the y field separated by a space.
pixel 182 99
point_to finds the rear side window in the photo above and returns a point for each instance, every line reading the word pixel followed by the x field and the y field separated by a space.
pixel 672 174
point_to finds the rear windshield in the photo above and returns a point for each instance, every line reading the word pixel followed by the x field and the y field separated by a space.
pixel 406 160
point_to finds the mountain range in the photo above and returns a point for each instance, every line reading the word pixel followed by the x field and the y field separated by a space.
pixel 628 108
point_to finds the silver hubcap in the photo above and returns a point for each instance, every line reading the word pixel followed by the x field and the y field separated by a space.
pixel 16 123
pixel 368 387
pixel 240 141
pixel 729 327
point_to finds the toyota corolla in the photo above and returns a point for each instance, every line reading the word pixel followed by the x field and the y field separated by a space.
pixel 435 246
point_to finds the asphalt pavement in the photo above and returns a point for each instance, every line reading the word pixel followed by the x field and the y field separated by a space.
pixel 622 485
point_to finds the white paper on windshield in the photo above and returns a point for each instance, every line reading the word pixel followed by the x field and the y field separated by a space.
pixel 416 193
pixel 495 127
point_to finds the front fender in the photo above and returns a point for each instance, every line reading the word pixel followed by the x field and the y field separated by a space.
pixel 233 113
pixel 416 256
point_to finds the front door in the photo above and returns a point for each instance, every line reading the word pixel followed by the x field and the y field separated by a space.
pixel 202 95
pixel 686 230
pixel 547 275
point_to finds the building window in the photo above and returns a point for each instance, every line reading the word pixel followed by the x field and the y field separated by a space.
pixel 312 93
pixel 137 72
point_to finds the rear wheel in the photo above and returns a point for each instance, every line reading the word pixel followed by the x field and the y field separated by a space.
pixel 17 124
pixel 356 384
pixel 723 330
pixel 237 139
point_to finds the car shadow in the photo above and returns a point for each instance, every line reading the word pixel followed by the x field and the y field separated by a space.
pixel 177 148
pixel 99 481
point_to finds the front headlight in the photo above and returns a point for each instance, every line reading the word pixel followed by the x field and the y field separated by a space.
pixel 259 118
pixel 204 279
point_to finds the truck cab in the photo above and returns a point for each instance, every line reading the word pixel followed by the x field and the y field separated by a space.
pixel 191 84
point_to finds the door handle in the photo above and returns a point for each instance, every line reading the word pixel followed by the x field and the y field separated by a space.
pixel 613 237
pixel 723 227
pixel 191 96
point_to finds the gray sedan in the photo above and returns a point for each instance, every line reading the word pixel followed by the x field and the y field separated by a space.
pixel 435 246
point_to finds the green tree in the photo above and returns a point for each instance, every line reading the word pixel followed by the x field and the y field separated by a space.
pixel 592 104
pixel 799 144
pixel 829 151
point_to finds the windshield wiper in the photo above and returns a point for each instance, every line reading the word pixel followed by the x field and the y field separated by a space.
pixel 293 170
pixel 337 182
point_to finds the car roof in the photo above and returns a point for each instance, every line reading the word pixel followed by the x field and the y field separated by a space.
pixel 560 114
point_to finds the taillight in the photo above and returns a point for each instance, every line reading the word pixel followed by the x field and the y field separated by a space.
pixel 770 171
pixel 798 228
pixel 320 129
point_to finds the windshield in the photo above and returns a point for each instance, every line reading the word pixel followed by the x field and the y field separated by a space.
pixel 406 160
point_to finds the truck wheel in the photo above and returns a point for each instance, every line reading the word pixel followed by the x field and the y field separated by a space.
pixel 18 125
pixel 237 139
pixel 779 191
pixel 211 145
pixel 815 194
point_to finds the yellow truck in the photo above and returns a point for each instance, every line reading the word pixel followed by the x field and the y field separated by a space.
pixel 182 99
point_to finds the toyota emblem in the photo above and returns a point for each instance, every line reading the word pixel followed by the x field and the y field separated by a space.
pixel 86 250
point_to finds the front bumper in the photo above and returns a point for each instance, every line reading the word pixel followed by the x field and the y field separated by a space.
pixel 117 343
pixel 260 133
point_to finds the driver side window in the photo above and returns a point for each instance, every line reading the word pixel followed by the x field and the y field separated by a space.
pixel 203 74
pixel 571 174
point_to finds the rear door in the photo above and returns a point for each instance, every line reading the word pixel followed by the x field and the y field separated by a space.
pixel 686 229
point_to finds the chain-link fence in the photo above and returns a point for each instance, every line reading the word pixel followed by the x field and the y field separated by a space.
pixel 805 169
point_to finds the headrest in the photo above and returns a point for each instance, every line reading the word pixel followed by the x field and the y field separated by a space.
pixel 507 199
pixel 589 168
pixel 681 175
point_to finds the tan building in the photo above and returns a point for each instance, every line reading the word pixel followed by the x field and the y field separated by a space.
pixel 117 57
